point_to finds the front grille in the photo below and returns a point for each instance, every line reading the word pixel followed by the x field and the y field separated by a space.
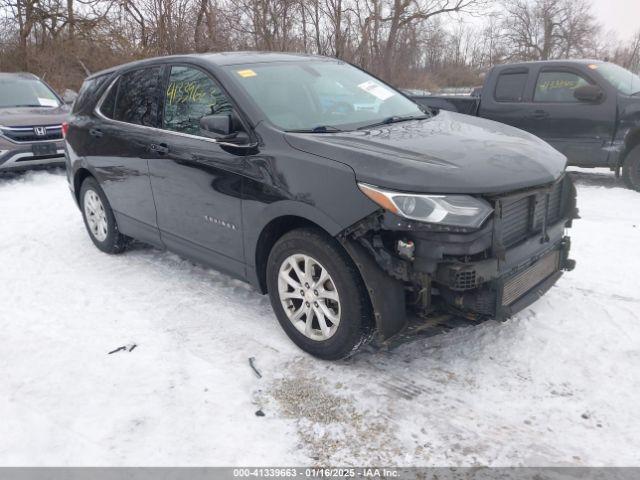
pixel 515 220
pixel 28 134
pixel 523 216
pixel 516 286
pixel 465 280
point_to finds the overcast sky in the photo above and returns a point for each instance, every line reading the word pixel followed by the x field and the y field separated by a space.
pixel 620 16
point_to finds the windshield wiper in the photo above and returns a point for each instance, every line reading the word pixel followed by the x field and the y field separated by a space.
pixel 395 119
pixel 28 105
pixel 635 93
pixel 318 129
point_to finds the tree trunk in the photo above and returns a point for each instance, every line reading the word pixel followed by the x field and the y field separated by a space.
pixel 71 21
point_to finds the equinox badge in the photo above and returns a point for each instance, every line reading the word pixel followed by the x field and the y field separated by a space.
pixel 222 223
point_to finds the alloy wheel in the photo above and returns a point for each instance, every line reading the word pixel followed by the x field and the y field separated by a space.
pixel 309 297
pixel 96 216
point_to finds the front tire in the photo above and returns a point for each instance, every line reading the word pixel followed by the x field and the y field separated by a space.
pixel 318 294
pixel 99 218
pixel 631 169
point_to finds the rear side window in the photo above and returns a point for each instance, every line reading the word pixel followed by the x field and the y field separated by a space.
pixel 510 86
pixel 558 87
pixel 138 97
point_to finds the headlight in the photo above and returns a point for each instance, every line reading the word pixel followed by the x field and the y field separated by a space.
pixel 453 210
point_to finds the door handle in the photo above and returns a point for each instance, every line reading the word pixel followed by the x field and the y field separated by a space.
pixel 159 148
pixel 96 132
pixel 540 114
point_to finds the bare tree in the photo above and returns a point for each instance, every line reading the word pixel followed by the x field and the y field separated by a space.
pixel 417 43
pixel 545 29
pixel 628 55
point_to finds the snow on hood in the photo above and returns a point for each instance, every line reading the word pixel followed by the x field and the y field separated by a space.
pixel 448 153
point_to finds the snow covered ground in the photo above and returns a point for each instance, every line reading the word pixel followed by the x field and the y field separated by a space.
pixel 557 385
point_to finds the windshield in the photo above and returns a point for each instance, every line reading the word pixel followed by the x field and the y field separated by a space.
pixel 26 92
pixel 625 82
pixel 321 95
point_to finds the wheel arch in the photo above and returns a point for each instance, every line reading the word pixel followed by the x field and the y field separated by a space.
pixel 269 235
pixel 632 140
pixel 631 161
pixel 80 176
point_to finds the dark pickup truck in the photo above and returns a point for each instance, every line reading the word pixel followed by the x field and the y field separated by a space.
pixel 587 109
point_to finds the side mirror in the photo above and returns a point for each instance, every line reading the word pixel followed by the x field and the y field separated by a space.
pixel 216 126
pixel 588 93
pixel 69 96
pixel 226 128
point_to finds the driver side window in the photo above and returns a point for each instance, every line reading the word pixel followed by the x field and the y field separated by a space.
pixel 191 94
pixel 558 87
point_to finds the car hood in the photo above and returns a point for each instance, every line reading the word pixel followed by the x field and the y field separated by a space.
pixel 448 153
pixel 29 116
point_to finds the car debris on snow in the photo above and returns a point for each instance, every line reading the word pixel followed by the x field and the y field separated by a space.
pixel 252 363
pixel 127 348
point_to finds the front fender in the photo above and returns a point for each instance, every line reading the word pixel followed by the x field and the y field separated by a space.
pixel 386 293
pixel 627 135
pixel 299 209
pixel 256 219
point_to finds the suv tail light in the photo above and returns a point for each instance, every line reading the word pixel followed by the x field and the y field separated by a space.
pixel 65 128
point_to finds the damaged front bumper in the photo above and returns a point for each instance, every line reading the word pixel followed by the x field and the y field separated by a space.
pixel 411 268
pixel 499 289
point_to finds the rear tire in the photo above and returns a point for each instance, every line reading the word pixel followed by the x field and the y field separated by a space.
pixel 99 218
pixel 631 169
pixel 318 294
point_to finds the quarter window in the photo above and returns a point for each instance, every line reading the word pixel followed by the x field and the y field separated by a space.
pixel 192 94
pixel 137 97
pixel 558 87
pixel 510 86
pixel 87 93
pixel 109 103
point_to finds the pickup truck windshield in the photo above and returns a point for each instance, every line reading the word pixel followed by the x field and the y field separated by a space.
pixel 321 96
pixel 623 80
pixel 26 92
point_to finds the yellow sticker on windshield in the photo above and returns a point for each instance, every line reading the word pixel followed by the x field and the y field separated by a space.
pixel 246 73
pixel 593 66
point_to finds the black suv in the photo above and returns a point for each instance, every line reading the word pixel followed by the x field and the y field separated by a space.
pixel 323 186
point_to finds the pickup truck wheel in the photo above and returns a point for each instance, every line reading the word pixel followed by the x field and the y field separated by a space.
pixel 318 295
pixel 99 219
pixel 631 169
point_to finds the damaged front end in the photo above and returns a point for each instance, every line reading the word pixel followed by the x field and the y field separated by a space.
pixel 414 268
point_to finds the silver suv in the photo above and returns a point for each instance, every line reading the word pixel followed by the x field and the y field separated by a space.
pixel 31 118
